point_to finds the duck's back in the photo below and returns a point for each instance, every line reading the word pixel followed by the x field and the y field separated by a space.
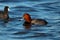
pixel 39 21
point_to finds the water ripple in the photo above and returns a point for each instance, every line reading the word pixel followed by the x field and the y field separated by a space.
pixel 42 9
pixel 24 9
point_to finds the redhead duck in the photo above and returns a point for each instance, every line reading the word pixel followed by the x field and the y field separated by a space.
pixel 28 20
pixel 4 14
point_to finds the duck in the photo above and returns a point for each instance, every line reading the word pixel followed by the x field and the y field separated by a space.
pixel 4 14
pixel 28 20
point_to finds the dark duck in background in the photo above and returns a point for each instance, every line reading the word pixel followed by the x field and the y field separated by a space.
pixel 4 14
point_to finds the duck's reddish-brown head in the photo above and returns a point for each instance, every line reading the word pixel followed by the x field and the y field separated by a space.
pixel 27 17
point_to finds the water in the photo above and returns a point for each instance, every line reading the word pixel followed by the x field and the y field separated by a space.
pixel 44 9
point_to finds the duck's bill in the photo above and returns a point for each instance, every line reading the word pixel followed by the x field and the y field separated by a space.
pixel 9 9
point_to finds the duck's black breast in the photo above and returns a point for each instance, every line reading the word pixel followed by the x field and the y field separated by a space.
pixel 26 23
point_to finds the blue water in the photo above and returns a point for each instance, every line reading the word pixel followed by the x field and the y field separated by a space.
pixel 42 9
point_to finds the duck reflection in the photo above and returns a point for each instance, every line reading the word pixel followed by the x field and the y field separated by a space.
pixel 27 25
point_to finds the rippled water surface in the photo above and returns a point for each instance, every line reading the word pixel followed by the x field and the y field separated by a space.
pixel 44 9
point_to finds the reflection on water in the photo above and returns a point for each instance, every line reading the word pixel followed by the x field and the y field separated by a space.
pixel 27 25
pixel 16 29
